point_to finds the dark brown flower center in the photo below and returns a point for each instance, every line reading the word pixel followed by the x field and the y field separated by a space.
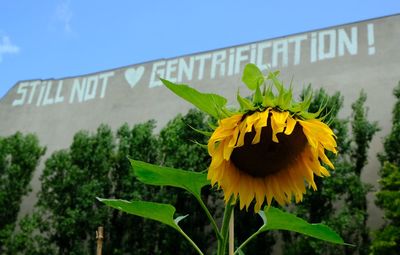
pixel 268 157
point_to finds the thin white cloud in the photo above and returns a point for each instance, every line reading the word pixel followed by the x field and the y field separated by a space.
pixel 7 47
pixel 63 14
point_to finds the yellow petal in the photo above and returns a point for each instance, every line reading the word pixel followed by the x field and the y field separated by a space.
pixel 278 123
pixel 324 158
pixel 291 123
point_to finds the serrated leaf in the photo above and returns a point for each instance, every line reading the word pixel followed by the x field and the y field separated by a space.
pixel 163 213
pixel 206 102
pixel 276 219
pixel 252 76
pixel 167 176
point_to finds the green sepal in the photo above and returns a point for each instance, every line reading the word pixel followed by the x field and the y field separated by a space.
pixel 310 115
pixel 205 133
pixel 167 176
pixel 212 125
pixel 204 146
pixel 245 104
pixel 252 76
pixel 286 100
pixel 307 100
pixel 302 106
pixel 273 77
pixel 258 98
pixel 269 98
pixel 276 219
pixel 208 103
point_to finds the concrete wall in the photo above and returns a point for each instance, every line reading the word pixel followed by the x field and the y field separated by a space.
pixel 363 55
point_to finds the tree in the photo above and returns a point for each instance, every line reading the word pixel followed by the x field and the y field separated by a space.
pixel 19 156
pixel 127 234
pixel 97 164
pixel 70 181
pixel 340 200
pixel 387 239
pixel 180 147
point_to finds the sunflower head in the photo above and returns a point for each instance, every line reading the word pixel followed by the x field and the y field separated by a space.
pixel 271 148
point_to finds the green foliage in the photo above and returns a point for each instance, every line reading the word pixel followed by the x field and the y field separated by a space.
pixel 69 180
pixel 178 149
pixel 19 156
pixel 96 164
pixel 387 240
pixel 193 182
pixel 131 235
pixel 340 201
pixel 26 241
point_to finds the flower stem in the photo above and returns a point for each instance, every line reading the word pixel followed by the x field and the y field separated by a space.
pixel 191 242
pixel 225 226
pixel 209 216
pixel 247 240
pixel 232 233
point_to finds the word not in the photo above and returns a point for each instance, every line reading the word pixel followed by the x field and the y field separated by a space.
pixel 293 50
pixel 86 88
pixel 49 92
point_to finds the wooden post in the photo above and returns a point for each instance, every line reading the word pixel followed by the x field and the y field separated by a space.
pixel 231 234
pixel 99 237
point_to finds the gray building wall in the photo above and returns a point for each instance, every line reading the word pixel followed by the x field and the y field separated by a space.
pixel 347 58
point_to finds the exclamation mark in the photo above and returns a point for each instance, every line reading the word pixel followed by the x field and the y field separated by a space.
pixel 371 39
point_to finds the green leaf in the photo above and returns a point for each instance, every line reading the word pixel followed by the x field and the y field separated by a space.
pixel 163 213
pixel 252 76
pixel 208 103
pixel 276 219
pixel 167 176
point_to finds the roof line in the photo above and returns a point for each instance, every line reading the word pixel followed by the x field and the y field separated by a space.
pixel 201 52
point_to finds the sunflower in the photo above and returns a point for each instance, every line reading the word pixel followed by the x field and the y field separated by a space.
pixel 269 149
pixel 265 155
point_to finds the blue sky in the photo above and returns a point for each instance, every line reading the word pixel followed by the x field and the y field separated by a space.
pixel 53 39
